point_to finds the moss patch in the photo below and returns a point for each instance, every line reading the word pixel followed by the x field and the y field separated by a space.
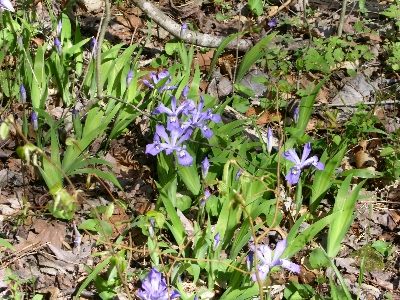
pixel 373 259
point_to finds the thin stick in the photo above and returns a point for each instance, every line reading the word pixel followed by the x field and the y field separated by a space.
pixel 342 16
pixel 102 33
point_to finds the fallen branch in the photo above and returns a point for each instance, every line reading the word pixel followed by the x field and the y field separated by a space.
pixel 189 36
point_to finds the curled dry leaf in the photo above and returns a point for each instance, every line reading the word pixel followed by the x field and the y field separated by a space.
pixel 203 60
pixel 227 63
pixel 264 117
pixel 364 160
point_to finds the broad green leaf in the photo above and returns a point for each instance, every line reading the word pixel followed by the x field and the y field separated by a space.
pixel 387 151
pixel 220 49
pixel 190 177
pixel 253 55
pixel 306 107
pixel 38 83
pixel 99 268
pixel 315 61
pixel 241 293
pixel 172 46
pixel 4 243
pixel 344 207
pixel 76 49
pixel 362 173
pixel 78 56
pixel 74 151
pixel 244 233
pixel 323 179
pixel 176 226
pixel 318 259
pixel 307 235
pixel 256 6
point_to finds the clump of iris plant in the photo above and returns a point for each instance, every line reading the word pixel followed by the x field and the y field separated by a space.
pixel 294 173
pixel 160 81
pixel 154 287
pixel 270 259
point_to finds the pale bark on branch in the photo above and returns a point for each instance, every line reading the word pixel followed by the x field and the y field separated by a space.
pixel 189 36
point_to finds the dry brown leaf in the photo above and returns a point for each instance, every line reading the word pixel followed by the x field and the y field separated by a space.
pixel 312 124
pixel 227 63
pixel 116 219
pixel 264 117
pixel 307 80
pixel 374 38
pixel 365 160
pixel 306 276
pixel 203 60
pixel 130 21
pixel 47 232
pixel 380 113
pixel 38 41
pixel 187 224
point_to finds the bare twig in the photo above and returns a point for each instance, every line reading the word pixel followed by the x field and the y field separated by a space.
pixel 189 36
pixel 102 33
pixel 342 16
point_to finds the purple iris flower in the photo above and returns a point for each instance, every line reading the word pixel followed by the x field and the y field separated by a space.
pixel 203 200
pixel 294 173
pixel 154 287
pixel 129 78
pixel 34 120
pixel 57 44
pixel 178 136
pixel 6 4
pixel 173 113
pixel 238 173
pixel 273 22
pixel 151 228
pixel 198 118
pixel 155 79
pixel 268 261
pixel 185 92
pixel 217 240
pixel 93 46
pixel 269 140
pixel 59 27
pixel 183 29
pixel 296 115
pixel 22 91
pixel 205 165
pixel 74 113
pixel 249 261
